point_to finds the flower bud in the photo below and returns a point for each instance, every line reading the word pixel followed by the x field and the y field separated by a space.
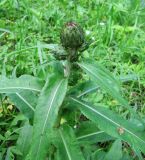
pixel 72 36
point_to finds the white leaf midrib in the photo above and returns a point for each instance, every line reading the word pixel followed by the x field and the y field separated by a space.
pixel 25 88
pixel 49 108
pixel 87 91
pixel 25 101
pixel 96 76
pixel 90 134
pixel 117 124
pixel 65 145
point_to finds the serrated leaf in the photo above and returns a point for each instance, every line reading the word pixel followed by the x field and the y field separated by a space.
pixel 112 124
pixel 46 113
pixel 25 82
pixel 115 152
pixel 69 148
pixel 25 101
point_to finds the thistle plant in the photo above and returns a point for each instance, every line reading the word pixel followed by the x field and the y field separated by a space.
pixel 65 123
pixel 72 38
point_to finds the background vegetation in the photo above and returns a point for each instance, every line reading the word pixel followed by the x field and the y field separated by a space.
pixel 115 28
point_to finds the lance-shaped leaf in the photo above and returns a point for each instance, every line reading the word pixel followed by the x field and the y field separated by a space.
pixel 113 124
pixel 24 140
pixel 68 147
pixel 46 113
pixel 88 132
pixel 91 86
pixel 25 101
pixel 105 80
pixel 25 82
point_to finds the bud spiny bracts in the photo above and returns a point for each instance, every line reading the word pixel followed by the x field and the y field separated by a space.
pixel 72 36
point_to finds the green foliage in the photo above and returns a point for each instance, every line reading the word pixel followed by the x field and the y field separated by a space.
pixel 25 101
pixel 113 124
pixel 57 107
pixel 24 82
pixel 70 149
pixel 24 140
pixel 46 114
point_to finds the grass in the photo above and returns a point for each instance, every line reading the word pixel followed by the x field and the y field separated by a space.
pixel 116 29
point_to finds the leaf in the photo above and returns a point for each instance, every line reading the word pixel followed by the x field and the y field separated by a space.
pixel 112 124
pixel 69 148
pixel 88 132
pixel 55 48
pixel 46 113
pixel 83 88
pixel 25 101
pixel 115 152
pixel 90 86
pixel 24 140
pixel 25 82
pixel 105 80
pixel 40 54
